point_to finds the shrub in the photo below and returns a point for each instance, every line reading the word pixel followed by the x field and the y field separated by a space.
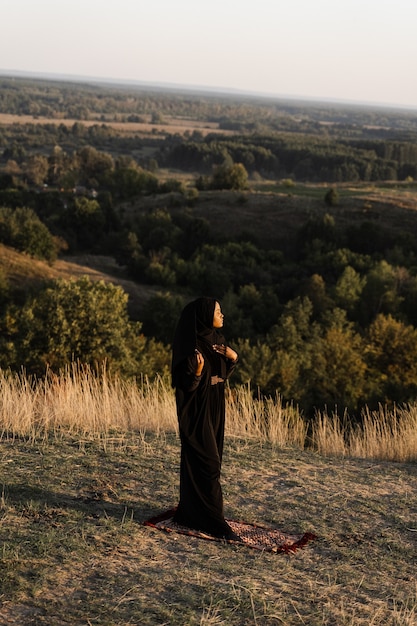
pixel 22 229
pixel 332 197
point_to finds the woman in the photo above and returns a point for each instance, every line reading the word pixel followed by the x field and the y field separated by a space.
pixel 201 362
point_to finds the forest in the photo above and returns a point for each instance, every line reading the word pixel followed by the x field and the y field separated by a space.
pixel 299 217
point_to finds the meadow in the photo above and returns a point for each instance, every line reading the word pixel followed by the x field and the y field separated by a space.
pixel 86 458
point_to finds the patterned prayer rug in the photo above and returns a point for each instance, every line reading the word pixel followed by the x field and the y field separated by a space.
pixel 252 535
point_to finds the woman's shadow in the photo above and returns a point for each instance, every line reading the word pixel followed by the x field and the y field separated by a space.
pixel 34 500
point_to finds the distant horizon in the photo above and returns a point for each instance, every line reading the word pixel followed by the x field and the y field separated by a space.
pixel 200 89
pixel 355 53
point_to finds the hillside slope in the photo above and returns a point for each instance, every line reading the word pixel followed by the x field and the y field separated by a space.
pixel 25 272
pixel 272 216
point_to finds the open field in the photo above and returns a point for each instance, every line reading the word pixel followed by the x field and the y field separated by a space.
pixel 169 126
pixel 74 550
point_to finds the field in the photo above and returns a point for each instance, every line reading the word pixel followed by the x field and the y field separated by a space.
pixel 84 462
pixel 170 125
pixel 271 212
pixel 75 550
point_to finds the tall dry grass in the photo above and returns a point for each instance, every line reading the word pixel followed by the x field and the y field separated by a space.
pixel 385 434
pixel 265 419
pixel 83 403
pixel 94 405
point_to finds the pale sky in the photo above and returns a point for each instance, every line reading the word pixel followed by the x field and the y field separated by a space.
pixel 354 51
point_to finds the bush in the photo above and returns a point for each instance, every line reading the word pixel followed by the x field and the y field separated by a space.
pixel 332 197
pixel 22 229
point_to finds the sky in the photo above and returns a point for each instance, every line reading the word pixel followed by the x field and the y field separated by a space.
pixel 361 51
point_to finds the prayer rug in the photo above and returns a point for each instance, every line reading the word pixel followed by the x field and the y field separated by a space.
pixel 252 535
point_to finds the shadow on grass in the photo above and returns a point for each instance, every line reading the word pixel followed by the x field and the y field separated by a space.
pixel 93 504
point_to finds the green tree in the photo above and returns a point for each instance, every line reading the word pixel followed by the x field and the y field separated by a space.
pixel 331 197
pixel 159 316
pixel 348 289
pixel 230 177
pixel 257 365
pixel 85 218
pixel 78 320
pixel 36 169
pixel 381 292
pixel 337 375
pixel 315 290
pixel 127 182
pixel 94 167
pixel 290 338
pixel 392 356
pixel 88 214
pixel 22 229
pixel 319 233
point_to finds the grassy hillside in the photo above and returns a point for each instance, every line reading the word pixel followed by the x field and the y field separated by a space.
pixel 86 460
pixel 74 550
pixel 271 212
pixel 24 272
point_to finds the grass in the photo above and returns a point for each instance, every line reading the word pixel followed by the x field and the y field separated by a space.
pixel 94 405
pixel 86 459
pixel 24 272
pixel 74 550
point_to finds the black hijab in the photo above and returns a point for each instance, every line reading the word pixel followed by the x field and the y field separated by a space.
pixel 195 332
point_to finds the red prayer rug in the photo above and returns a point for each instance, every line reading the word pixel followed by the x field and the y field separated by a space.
pixel 252 535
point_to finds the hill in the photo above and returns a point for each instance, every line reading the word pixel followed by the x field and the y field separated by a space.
pixel 26 273
pixel 75 549
pixel 271 213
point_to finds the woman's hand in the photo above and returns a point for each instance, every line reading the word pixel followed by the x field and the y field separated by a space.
pixel 226 351
pixel 200 363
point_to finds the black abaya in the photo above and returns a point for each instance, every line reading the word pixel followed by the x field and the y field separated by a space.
pixel 201 417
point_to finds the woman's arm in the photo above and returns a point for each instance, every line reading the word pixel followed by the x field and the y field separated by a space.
pixel 190 371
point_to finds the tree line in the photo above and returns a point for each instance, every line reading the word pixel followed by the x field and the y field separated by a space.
pixel 117 102
pixel 331 323
pixel 39 152
pixel 308 159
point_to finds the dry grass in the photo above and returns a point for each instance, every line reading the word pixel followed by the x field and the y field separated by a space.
pixel 80 402
pixel 264 419
pixel 74 550
pixel 86 458
pixel 389 435
pixel 23 271
pixel 93 405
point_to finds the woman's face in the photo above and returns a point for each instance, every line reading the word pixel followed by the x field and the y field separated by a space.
pixel 218 316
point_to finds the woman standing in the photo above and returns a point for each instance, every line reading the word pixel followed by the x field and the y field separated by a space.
pixel 201 362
